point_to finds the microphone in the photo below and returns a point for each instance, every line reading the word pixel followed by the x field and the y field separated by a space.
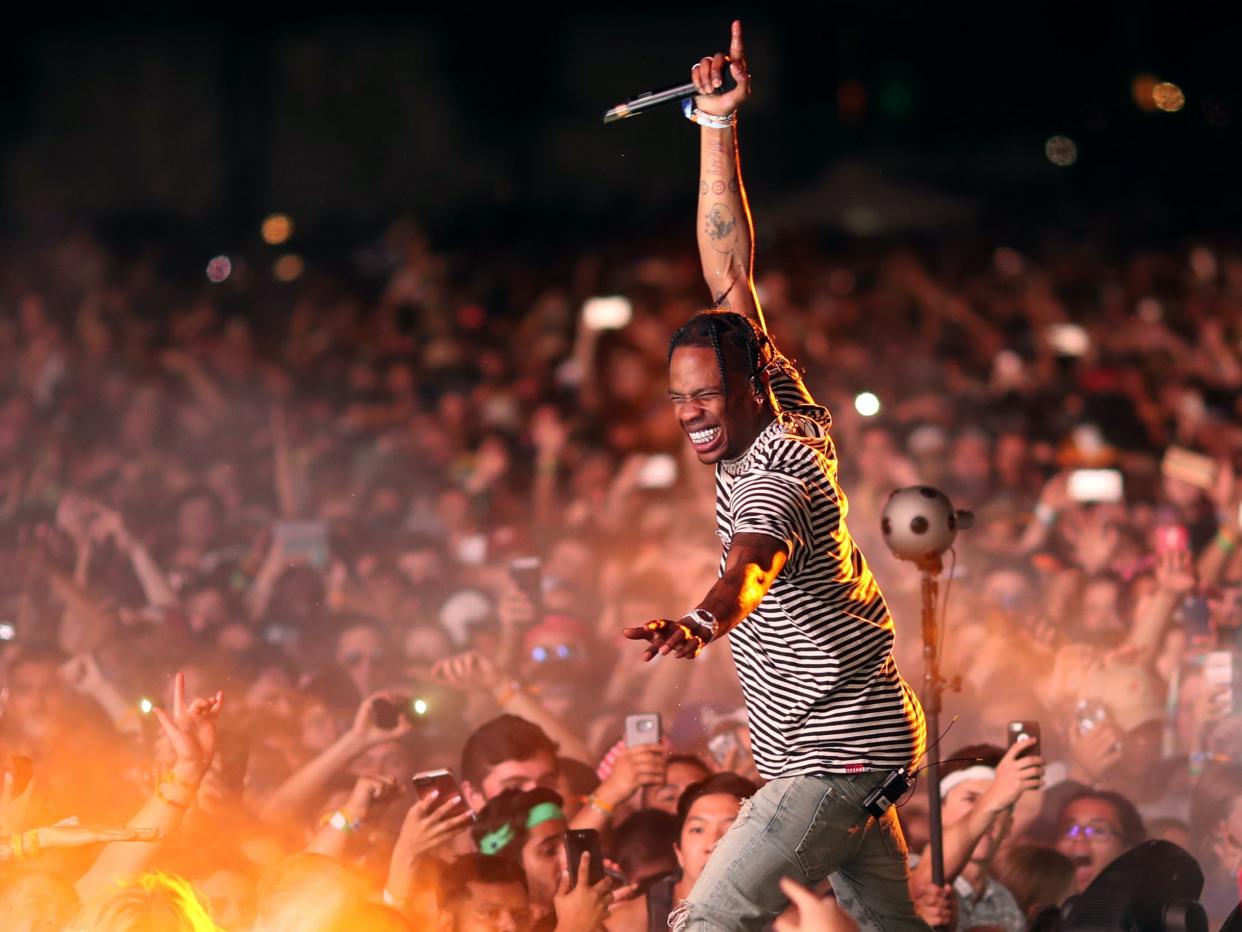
pixel 650 99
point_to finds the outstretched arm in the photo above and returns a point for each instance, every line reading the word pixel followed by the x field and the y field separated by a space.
pixel 725 230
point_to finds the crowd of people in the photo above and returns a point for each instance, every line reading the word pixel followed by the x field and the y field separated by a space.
pixel 271 549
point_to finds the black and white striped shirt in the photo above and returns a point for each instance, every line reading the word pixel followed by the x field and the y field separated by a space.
pixel 815 658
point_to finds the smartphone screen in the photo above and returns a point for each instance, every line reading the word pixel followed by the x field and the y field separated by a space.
pixel 642 730
pixel 578 841
pixel 443 782
pixel 1096 485
pixel 307 539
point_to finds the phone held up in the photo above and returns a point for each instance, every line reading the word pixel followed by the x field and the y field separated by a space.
pixel 1020 731
pixel 578 841
pixel 642 729
pixel 445 784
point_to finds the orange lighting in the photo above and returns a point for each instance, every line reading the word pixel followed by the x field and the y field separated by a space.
pixel 1142 89
pixel 277 228
pixel 288 268
pixel 1168 97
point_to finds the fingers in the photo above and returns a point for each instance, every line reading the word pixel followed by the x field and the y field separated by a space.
pixel 702 75
pixel 179 695
pixel 736 50
pixel 717 71
pixel 584 869
pixel 799 895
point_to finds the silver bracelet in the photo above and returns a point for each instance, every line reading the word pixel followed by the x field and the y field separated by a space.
pixel 710 120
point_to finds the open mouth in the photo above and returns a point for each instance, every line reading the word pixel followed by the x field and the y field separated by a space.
pixel 703 440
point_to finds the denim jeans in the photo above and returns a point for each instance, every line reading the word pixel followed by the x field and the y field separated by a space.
pixel 807 828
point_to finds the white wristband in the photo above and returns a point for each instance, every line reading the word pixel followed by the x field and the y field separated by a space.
pixel 711 120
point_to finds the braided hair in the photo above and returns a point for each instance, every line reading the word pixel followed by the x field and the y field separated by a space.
pixel 733 337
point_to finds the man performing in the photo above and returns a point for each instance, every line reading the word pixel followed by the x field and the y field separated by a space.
pixel 830 716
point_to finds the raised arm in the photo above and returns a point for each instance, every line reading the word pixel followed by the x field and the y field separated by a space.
pixel 725 231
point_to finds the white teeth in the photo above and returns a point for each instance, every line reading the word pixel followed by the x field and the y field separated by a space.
pixel 700 437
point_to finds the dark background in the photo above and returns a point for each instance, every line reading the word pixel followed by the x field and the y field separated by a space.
pixel 487 127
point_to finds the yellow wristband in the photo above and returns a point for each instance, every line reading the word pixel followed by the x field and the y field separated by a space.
pixel 31 842
pixel 596 803
pixel 171 777
pixel 15 844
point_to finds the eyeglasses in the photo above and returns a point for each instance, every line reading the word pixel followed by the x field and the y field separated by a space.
pixel 1094 834
pixel 541 654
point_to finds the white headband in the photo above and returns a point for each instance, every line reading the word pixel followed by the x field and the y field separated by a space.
pixel 977 772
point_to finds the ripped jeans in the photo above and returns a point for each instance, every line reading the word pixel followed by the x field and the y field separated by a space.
pixel 807 828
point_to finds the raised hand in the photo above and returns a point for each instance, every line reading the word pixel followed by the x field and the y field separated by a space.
pixel 1175 572
pixel 1014 776
pixel 708 77
pixel 667 637
pixel 365 732
pixel 191 729
pixel 369 794
pixel 467 672
pixel 633 769
pixel 814 913
pixel 582 908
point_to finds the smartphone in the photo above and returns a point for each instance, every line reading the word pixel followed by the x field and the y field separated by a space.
pixel 443 782
pixel 578 841
pixel 658 471
pixel 308 539
pixel 1220 677
pixel 1189 467
pixel 641 730
pixel 22 768
pixel 1172 538
pixel 387 714
pixel 1021 730
pixel 608 313
pixel 722 747
pixel 1096 485
pixel 527 575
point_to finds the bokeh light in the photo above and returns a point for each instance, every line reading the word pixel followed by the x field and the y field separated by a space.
pixel 1142 89
pixel 1061 150
pixel 288 268
pixel 1168 97
pixel 277 228
pixel 419 706
pixel 219 269
pixel 867 404
pixel 145 705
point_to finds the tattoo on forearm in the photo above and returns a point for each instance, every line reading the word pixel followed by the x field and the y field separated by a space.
pixel 718 187
pixel 717 161
pixel 720 225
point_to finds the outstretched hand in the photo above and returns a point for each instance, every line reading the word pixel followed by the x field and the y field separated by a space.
pixel 191 729
pixel 708 77
pixel 667 637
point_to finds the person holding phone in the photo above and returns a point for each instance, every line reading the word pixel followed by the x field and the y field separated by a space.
pixel 830 715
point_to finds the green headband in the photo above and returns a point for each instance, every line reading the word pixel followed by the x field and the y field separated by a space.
pixel 495 841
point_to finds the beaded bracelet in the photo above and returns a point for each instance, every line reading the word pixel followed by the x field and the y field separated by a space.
pixel 171 777
pixel 15 846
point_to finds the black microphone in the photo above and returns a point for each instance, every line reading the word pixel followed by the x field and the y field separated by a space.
pixel 664 95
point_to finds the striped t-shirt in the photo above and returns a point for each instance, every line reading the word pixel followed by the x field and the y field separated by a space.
pixel 815 658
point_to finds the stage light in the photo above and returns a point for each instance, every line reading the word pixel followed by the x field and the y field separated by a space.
pixel 1061 150
pixel 277 228
pixel 1168 97
pixel 867 404
pixel 419 706
pixel 288 268
pixel 1142 89
pixel 219 269
pixel 7 632
pixel 145 705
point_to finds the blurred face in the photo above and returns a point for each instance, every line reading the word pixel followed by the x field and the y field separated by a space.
pixel 34 699
pixel 387 759
pixel 273 691
pixel 424 645
pixel 320 727
pixel 206 609
pixel 1089 833
pixel 1006 590
pixel 196 522
pixel 543 859
pixel 680 776
pixel 539 770
pixel 360 652
pixel 970 460
pixel 718 427
pixel 706 823
pixel 491 907
pixel 1100 607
